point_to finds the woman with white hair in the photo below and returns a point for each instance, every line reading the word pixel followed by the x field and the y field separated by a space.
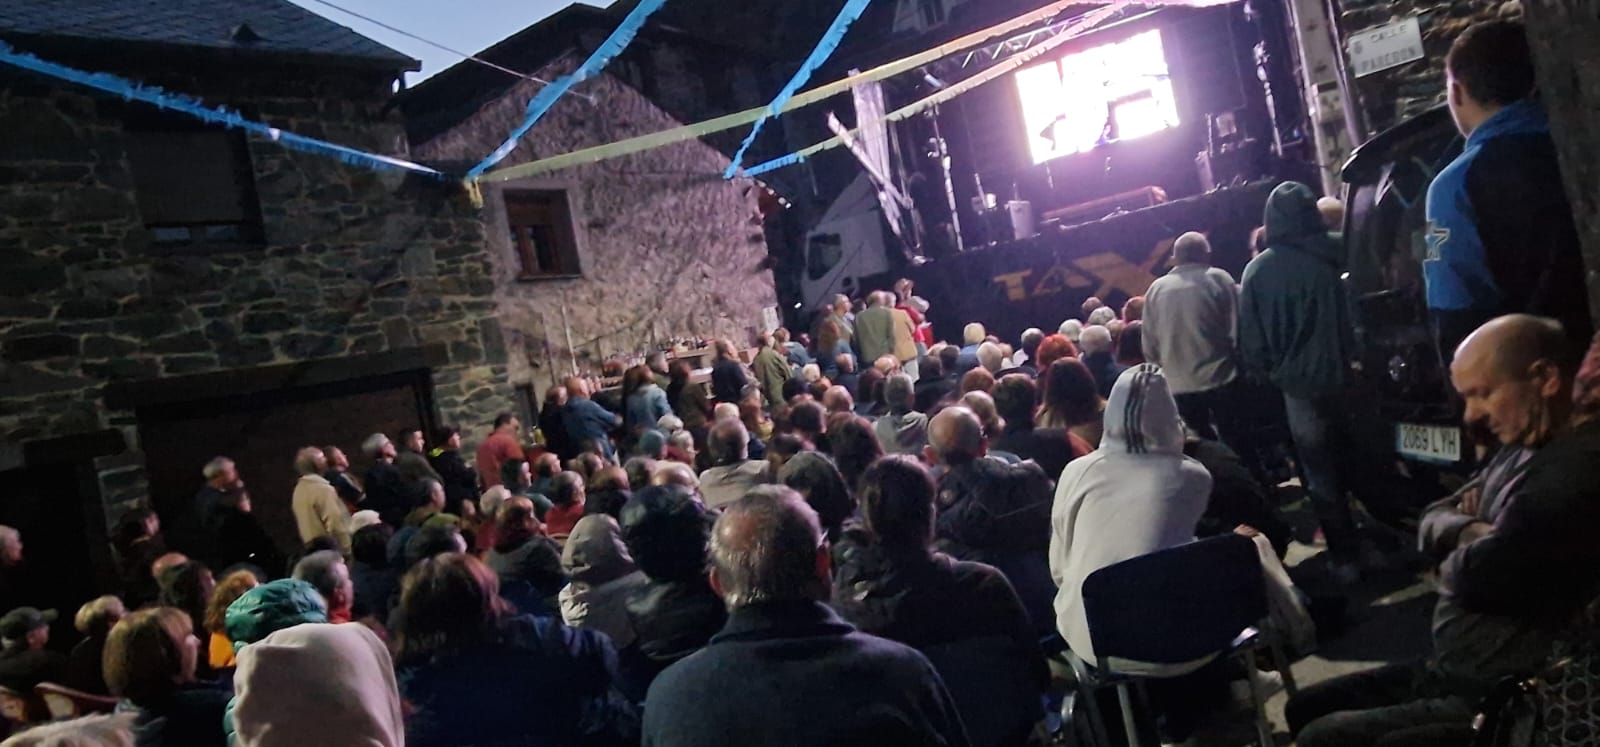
pixel 972 336
pixel 1071 329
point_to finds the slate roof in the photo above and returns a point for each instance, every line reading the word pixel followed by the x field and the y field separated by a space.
pixel 282 27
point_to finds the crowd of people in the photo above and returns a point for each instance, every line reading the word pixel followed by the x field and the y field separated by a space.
pixel 856 535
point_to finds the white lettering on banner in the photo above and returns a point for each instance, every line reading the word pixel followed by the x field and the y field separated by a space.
pixel 1378 49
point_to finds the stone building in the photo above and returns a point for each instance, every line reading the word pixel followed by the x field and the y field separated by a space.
pixel 171 291
pixel 611 258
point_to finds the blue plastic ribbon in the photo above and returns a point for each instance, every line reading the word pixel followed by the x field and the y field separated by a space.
pixel 547 96
pixel 193 107
pixel 824 49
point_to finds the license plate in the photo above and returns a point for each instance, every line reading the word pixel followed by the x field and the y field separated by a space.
pixel 1429 442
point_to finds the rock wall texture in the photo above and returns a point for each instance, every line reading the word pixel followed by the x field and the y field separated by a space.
pixel 668 247
pixel 354 263
pixel 1392 95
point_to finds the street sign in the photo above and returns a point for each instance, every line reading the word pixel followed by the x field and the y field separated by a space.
pixel 1378 49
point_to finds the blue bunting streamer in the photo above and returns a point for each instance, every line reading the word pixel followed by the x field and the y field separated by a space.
pixel 547 96
pixel 156 96
pixel 824 49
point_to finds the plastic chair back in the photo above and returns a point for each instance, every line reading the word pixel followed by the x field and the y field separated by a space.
pixel 19 709
pixel 65 702
pixel 1176 605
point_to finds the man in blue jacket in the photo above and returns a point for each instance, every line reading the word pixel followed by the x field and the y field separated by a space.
pixel 1501 238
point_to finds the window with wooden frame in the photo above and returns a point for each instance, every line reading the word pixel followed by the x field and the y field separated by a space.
pixel 542 237
pixel 194 183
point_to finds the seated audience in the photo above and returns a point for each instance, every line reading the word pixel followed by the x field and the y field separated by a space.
pixel 431 504
pixel 219 650
pixel 638 471
pixel 819 482
pixel 1099 357
pixel 1026 361
pixel 846 378
pixel 855 446
pixel 977 380
pixel 902 429
pixel 473 671
pixel 870 403
pixel 1520 564
pixel 24 660
pixel 609 490
pixel 488 512
pixel 567 495
pixel 1072 329
pixel 992 512
pixel 972 336
pixel 681 448
pixel 434 538
pixel 675 473
pixel 1134 495
pixel 524 555
pixel 733 472
pixel 271 607
pixel 150 664
pixel 1072 401
pixel 1099 318
pixel 783 448
pixel 94 620
pixel 991 358
pixel 188 587
pixel 317 684
pixel 965 617
pixel 1090 305
pixel 460 481
pixel 1050 448
pixel 1054 348
pixel 517 476
pixel 601 576
pixel 1133 310
pixel 666 529
pixel 982 405
pixel 1130 344
pixel 786 669
pixel 932 385
pixel 838 400
pixel 327 572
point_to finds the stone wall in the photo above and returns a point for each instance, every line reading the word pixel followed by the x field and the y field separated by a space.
pixel 355 262
pixel 668 247
pixel 1392 95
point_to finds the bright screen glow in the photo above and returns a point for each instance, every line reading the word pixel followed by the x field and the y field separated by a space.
pixel 1112 92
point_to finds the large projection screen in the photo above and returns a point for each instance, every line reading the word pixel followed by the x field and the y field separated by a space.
pixel 1109 93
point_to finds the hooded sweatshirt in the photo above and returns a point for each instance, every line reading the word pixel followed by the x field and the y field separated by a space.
pixel 902 432
pixel 603 576
pixel 1135 495
pixel 317 684
pixel 1295 326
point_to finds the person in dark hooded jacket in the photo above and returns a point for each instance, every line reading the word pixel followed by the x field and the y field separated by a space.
pixel 1295 330
pixel 460 481
pixel 964 617
pixel 666 529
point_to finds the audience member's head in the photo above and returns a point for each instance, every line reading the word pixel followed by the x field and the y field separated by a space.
pixel 768 547
pixel 973 334
pixel 1515 376
pixel 595 553
pixel 508 424
pixel 378 447
pixel 1489 67
pixel 228 591
pixel 1115 328
pixel 640 468
pixel 809 419
pixel 819 481
pixel 955 437
pixel 1071 329
pixel 675 473
pixel 311 461
pixel 949 360
pixel 220 473
pixel 982 405
pixel 448 603
pixel 666 528
pixel 930 367
pixel 728 443
pixel 1090 305
pixel 328 573
pixel 568 489
pixel 150 654
pixel 10 547
pixel 26 628
pixel 273 606
pixel 518 521
pixel 1070 392
pixel 846 363
pixel 410 439
pixel 1191 248
pixel 838 399
pixel 977 380
pixel 434 539
pixel 1030 341
pixel 1096 339
pixel 447 438
pixel 897 503
pixel 1015 399
pixel 515 474
pixel 899 393
pixel 586 464
pixel 870 387
pixel 784 446
pixel 652 445
pixel 885 365
pixel 855 445
pixel 1100 318
pixel 303 684
pixel 96 616
pixel 1133 310
pixel 1130 344
pixel 990 357
pixel 167 562
pixel 187 586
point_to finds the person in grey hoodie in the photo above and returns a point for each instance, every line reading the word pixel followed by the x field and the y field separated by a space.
pixel 602 577
pixel 903 430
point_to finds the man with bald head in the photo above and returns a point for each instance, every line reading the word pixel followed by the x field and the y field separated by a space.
pixel 317 509
pixel 991 511
pixel 586 421
pixel 1517 544
pixel 786 669
pixel 1190 315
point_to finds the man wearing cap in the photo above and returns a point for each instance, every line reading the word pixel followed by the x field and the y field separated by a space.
pixel 24 662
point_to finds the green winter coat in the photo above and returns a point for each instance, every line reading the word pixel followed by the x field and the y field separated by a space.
pixel 772 370
pixel 1295 326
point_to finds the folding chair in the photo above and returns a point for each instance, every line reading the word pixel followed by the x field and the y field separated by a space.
pixel 20 709
pixel 1170 607
pixel 65 702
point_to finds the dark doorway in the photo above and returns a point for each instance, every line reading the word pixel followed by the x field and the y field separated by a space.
pixel 262 431
pixel 54 507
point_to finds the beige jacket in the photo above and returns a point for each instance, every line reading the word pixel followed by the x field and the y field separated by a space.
pixel 905 342
pixel 318 511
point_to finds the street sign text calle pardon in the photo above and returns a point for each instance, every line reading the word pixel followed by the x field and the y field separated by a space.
pixel 1378 49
